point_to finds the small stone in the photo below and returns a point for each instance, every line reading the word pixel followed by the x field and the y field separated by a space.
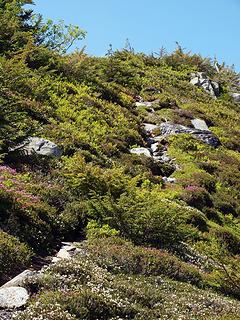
pixel 13 297
pixel 144 104
pixel 154 147
pixel 157 158
pixel 195 81
pixel 55 259
pixel 141 151
pixel 150 141
pixel 68 248
pixel 169 179
pixel 63 254
pixel 199 124
pixel 235 96
pixel 165 159
pixel 158 138
pixel 149 127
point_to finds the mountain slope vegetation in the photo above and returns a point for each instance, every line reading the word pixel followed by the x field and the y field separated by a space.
pixel 154 230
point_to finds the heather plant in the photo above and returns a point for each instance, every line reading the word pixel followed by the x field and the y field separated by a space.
pixel 120 256
pixel 25 214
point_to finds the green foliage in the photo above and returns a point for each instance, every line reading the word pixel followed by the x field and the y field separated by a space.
pixel 14 256
pixel 145 217
pixel 15 25
pixel 94 230
pixel 86 105
pixel 59 37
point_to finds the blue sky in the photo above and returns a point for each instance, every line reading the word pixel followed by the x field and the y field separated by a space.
pixel 208 27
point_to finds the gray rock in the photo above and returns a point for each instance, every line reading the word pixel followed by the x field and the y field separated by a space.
pixel 66 252
pixel 162 158
pixel 200 79
pixel 40 146
pixel 154 147
pixel 169 179
pixel 158 138
pixel 168 128
pixel 195 81
pixel 235 96
pixel 188 254
pixel 149 127
pixel 144 104
pixel 157 158
pixel 63 254
pixel 204 135
pixel 141 151
pixel 55 259
pixel 165 158
pixel 216 88
pixel 69 248
pixel 20 280
pixel 13 297
pixel 199 124
pixel 150 141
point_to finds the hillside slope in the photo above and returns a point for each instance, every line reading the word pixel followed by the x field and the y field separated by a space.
pixel 123 147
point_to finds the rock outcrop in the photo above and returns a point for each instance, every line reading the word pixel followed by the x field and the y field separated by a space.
pixel 200 79
pixel 40 146
pixel 204 135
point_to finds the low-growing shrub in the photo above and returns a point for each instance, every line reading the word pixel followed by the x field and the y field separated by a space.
pixel 94 230
pixel 144 217
pixel 46 311
pixel 229 238
pixel 197 197
pixel 14 255
pixel 123 257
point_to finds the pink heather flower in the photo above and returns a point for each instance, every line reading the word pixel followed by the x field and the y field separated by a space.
pixel 7 169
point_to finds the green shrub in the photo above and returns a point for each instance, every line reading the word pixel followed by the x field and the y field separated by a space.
pixel 197 197
pixel 94 230
pixel 14 255
pixel 229 238
pixel 144 217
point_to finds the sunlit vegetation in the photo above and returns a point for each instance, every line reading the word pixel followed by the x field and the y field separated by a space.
pixel 134 221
